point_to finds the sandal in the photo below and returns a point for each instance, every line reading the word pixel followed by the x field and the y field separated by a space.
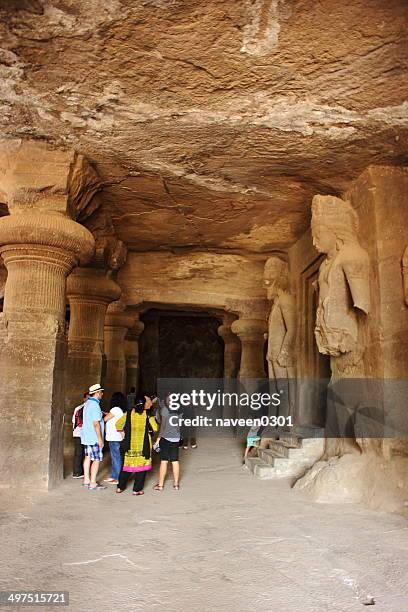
pixel 98 487
pixel 157 487
pixel 138 493
pixel 119 490
pixel 176 487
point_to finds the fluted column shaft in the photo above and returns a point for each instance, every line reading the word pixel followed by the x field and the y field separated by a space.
pixel 90 292
pixel 38 250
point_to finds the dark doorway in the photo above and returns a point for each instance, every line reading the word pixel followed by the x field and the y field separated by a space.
pixel 179 344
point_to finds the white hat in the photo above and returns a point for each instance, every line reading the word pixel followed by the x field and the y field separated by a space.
pixel 94 389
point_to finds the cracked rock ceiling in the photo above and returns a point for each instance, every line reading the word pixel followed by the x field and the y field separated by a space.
pixel 211 122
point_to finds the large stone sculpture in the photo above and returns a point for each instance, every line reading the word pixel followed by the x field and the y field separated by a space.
pixel 281 332
pixel 344 301
pixel 344 285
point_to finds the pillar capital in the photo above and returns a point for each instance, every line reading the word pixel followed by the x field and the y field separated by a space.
pixel 136 330
pixel 224 329
pixel 92 285
pixel 53 236
pixel 249 328
pixel 39 251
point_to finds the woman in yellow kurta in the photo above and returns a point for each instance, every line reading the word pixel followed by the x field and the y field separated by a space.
pixel 137 427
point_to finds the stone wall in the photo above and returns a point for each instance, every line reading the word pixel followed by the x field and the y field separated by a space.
pixel 192 279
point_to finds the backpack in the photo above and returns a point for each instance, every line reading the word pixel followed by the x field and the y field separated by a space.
pixel 79 417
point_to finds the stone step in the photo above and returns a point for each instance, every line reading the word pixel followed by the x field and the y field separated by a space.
pixel 259 468
pixel 317 443
pixel 291 467
pixel 271 442
pixel 281 450
pixel 283 459
pixel 292 440
pixel 267 455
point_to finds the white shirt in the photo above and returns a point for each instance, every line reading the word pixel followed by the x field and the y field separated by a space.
pixel 111 434
pixel 76 430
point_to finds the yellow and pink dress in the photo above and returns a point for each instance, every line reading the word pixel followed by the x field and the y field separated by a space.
pixel 137 428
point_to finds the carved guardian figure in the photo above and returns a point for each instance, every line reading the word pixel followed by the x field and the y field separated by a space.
pixel 344 283
pixel 281 331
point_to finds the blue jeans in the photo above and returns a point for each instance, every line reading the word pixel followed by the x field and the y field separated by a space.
pixel 116 459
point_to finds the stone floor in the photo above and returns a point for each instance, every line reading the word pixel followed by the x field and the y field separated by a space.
pixel 225 541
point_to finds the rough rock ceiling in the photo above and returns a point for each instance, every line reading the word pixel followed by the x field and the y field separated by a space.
pixel 212 123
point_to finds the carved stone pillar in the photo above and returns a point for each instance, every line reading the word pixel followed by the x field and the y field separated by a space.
pixel 251 333
pixel 132 354
pixel 250 327
pixel 90 292
pixel 39 251
pixel 232 347
pixel 39 245
pixel 117 323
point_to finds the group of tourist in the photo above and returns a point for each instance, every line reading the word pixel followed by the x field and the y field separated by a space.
pixel 134 427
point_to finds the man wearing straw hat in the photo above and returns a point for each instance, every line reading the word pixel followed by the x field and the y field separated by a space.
pixel 92 437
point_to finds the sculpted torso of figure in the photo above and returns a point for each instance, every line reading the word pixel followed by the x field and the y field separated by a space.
pixel 343 287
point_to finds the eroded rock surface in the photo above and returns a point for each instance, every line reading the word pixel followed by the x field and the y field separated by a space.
pixel 212 124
